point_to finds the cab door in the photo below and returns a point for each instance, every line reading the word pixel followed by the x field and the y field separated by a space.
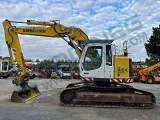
pixel 108 57
pixel 92 62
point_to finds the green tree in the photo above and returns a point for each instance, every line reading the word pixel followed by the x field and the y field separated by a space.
pixel 153 47
pixel 152 59
pixel 44 64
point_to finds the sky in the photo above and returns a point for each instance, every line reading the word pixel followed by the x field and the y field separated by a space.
pixel 130 20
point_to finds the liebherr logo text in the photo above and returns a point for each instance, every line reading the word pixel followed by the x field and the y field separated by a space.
pixel 34 31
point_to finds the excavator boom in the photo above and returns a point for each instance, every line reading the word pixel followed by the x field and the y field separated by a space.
pixel 46 29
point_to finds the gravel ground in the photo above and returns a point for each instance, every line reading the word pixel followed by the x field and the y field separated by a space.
pixel 47 106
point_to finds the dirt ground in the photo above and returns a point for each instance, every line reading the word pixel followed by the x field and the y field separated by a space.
pixel 47 105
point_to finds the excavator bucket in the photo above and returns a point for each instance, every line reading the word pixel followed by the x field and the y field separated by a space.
pixel 25 95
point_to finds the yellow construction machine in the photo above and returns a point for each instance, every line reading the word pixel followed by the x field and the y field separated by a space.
pixel 103 72
pixel 148 75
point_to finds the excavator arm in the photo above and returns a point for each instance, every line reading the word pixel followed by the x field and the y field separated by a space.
pixel 38 28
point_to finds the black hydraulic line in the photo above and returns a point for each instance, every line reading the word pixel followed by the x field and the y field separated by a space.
pixel 11 37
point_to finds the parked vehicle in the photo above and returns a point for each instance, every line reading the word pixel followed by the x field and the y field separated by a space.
pixel 147 75
pixel 53 74
pixel 4 67
pixel 65 72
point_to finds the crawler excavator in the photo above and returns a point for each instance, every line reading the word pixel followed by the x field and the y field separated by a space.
pixel 103 72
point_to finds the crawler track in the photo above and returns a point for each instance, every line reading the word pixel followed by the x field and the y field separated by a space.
pixel 120 95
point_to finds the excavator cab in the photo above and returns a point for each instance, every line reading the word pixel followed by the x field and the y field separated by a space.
pixel 99 62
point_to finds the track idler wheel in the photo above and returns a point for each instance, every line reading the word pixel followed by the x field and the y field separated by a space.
pixel 67 97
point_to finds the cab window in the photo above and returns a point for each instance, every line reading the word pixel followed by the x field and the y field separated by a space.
pixel 108 55
pixel 93 58
pixel 5 66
